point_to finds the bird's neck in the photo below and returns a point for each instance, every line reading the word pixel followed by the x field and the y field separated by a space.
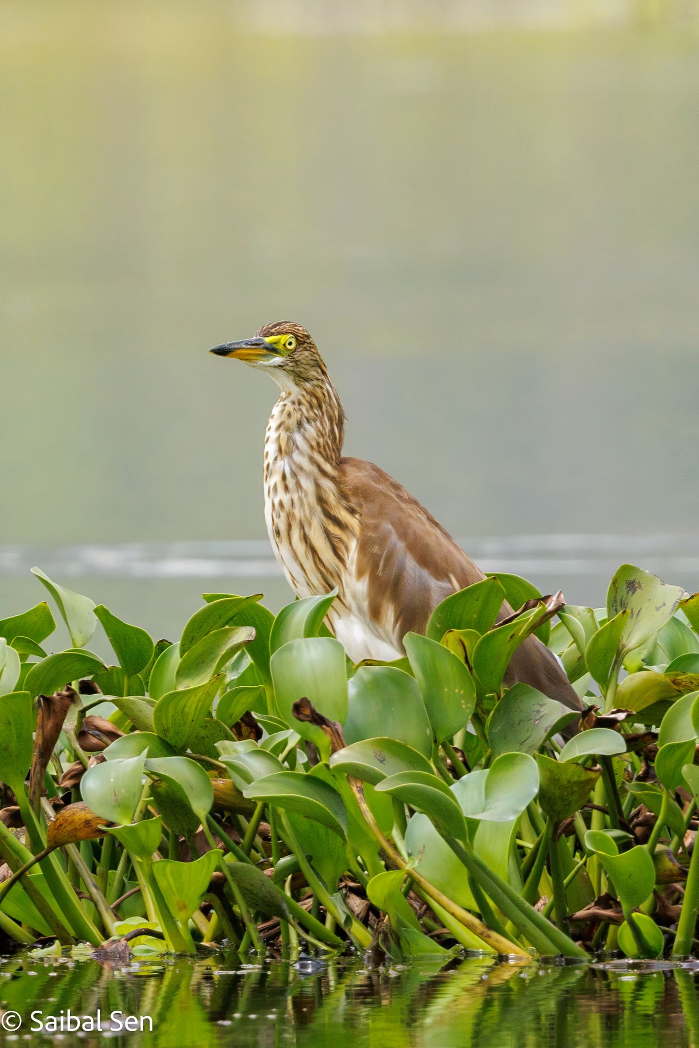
pixel 310 524
pixel 305 431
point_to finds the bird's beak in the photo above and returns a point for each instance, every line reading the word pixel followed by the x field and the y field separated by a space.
pixel 250 350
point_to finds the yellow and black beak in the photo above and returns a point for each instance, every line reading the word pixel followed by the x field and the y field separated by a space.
pixel 250 350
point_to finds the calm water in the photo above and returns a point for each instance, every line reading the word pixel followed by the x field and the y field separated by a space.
pixel 475 1002
pixel 492 233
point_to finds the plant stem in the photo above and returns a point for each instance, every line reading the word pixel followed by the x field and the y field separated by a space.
pixel 659 823
pixel 690 907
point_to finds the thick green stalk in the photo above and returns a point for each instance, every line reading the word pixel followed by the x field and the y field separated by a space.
pixel 659 823
pixel 16 855
pixel 686 925
pixel 559 888
pixel 543 935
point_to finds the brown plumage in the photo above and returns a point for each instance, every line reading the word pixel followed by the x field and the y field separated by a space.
pixel 343 523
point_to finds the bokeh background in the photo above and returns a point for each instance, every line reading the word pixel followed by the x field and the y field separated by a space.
pixel 487 213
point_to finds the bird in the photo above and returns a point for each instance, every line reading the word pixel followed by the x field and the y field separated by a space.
pixel 341 524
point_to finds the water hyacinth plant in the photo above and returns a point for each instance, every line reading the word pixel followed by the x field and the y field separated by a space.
pixel 247 784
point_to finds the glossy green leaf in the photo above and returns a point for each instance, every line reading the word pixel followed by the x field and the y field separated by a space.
pixel 519 591
pixel 604 651
pixel 213 616
pixel 190 777
pixel 640 690
pixel 632 873
pixel 178 714
pixel 681 722
pixel 385 891
pixel 53 673
pixel 434 859
pixel 690 606
pixel 495 649
pixel 77 611
pixel 671 759
pixel 113 789
pixel 375 759
pixel 137 708
pixel 688 663
pixel 649 941
pixel 386 702
pixel 301 793
pixel 448 689
pixel 475 607
pixel 690 774
pixel 302 618
pixel 564 786
pixel 601 741
pixel 140 839
pixel 38 623
pixel 500 793
pixel 601 841
pixel 428 794
pixel 16 728
pixel 260 892
pixel 234 703
pixel 247 762
pixel 10 667
pixel 138 742
pixel 25 646
pixel 211 654
pixel 313 668
pixel 132 646
pixel 163 675
pixel 184 883
pixel 523 719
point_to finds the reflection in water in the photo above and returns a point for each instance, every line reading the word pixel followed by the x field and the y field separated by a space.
pixel 219 1001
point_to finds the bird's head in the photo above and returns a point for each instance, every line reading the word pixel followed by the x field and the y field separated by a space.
pixel 284 349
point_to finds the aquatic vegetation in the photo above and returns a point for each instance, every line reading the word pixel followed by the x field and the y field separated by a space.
pixel 247 784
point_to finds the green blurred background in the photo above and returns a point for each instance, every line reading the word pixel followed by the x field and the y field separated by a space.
pixel 486 213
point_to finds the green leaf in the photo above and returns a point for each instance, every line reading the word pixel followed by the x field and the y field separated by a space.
pixel 246 761
pixel 138 742
pixel 10 667
pixel 518 591
pixel 494 651
pixel 671 759
pixel 428 794
pixel 137 708
pixel 501 793
pixel 632 873
pixel 190 777
pixel 523 719
pixel 690 774
pixel 304 794
pixel 37 624
pixel 16 728
pixel 302 618
pixel 602 741
pixel 260 892
pixel 113 789
pixel 447 687
pixel 77 611
pixel 643 689
pixel 234 703
pixel 140 839
pixel 649 602
pixel 434 859
pixel 25 646
pixel 601 841
pixel 322 845
pixel 179 714
pixel 132 645
pixel 211 654
pixel 690 606
pixel 604 651
pixel 475 607
pixel 313 668
pixel 374 759
pixel 652 940
pixel 681 722
pixel 163 675
pixel 213 616
pixel 183 883
pixel 385 891
pixel 564 788
pixel 53 673
pixel 386 702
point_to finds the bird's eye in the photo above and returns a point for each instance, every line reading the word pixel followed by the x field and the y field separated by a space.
pixel 290 343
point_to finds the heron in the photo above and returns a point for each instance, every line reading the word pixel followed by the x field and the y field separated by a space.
pixel 343 524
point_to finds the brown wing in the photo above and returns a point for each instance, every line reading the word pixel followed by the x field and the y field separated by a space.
pixel 410 563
